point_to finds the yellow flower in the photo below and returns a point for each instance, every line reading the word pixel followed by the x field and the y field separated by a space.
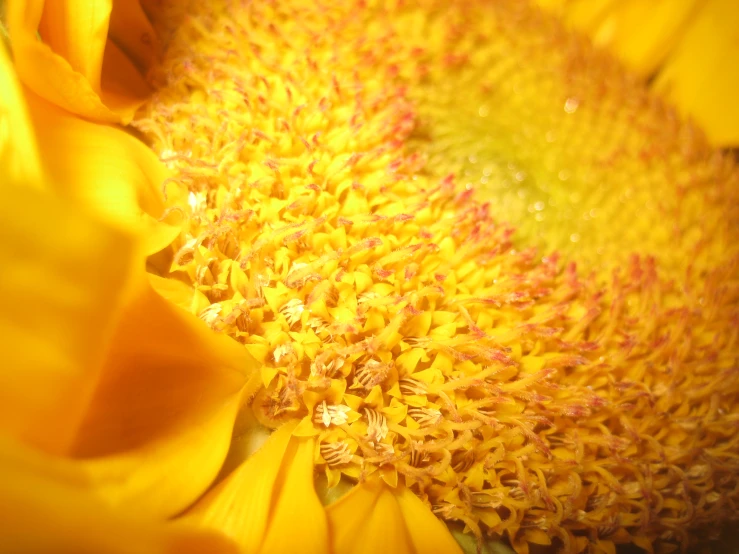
pixel 274 491
pixel 326 165
pixel 86 57
pixel 86 434
pixel 688 47
pixel 341 188
pixel 50 506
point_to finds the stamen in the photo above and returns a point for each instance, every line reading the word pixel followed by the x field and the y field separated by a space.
pixel 331 415
pixel 377 425
pixel 336 453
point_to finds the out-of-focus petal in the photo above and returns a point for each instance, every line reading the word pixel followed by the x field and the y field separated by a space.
pixel 587 15
pixel 160 421
pixel 639 32
pixel 61 289
pixel 47 505
pixel 180 294
pixel 428 534
pixel 76 30
pixel 73 65
pixel 690 45
pixel 104 169
pixel 97 364
pixel 123 89
pixel 701 77
pixel 19 158
pixel 368 519
pixel 269 493
pixel 132 32
pixel 642 33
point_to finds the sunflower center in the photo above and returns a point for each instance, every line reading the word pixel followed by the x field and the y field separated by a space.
pixel 396 318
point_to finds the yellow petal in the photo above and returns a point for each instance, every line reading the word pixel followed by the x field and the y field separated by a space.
pixel 367 520
pixel 690 44
pixel 160 421
pixel 427 533
pixel 132 32
pixel 240 506
pixel 555 6
pixel 123 88
pixel 643 32
pixel 61 290
pixel 587 15
pixel 701 77
pixel 76 30
pixel 180 294
pixel 67 66
pixel 105 169
pixel 19 157
pixel 350 513
pixel 47 506
pixel 297 507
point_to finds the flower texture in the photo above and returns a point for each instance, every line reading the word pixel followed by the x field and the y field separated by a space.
pixel 85 432
pixel 88 57
pixel 420 275
pixel 686 47
pixel 348 177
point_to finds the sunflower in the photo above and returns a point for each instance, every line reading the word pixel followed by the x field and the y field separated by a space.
pixel 360 277
pixel 684 47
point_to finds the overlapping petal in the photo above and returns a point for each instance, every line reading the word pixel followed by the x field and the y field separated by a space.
pixel 160 423
pixel 690 45
pixel 132 32
pixel 104 169
pixel 75 65
pixel 156 396
pixel 58 307
pixel 427 533
pixel 701 76
pixel 641 33
pixel 374 517
pixel 19 157
pixel 269 492
pixel 48 506
pixel 58 303
pixel 99 367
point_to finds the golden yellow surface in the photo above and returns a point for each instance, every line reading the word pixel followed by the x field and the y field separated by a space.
pixel 476 259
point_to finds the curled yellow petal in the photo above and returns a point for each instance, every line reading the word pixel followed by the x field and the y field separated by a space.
pixel 170 391
pixel 104 169
pixel 99 366
pixel 76 30
pixel 19 158
pixel 61 290
pixel 132 32
pixel 45 502
pixel 74 65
